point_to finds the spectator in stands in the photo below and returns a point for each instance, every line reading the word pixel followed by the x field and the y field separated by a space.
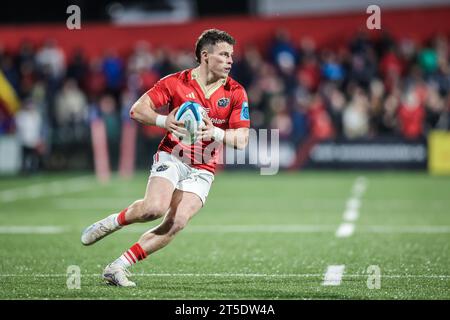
pixel 25 55
pixel 355 118
pixel 39 97
pixel 282 51
pixel 391 68
pixel 335 102
pixel 407 48
pixel 332 68
pixel 113 69
pixel 163 61
pixel 363 67
pixel 71 107
pixel 27 78
pixel 389 123
pixel 376 97
pixel 50 60
pixel 285 58
pixel 434 108
pixel 247 68
pixel 184 59
pixel 78 67
pixel 411 115
pixel 141 58
pixel 445 123
pixel 141 73
pixel 95 82
pixel 268 80
pixel 308 74
pixel 307 48
pixel 256 95
pixel 29 127
pixel 25 64
pixel 281 119
pixel 442 75
pixel 360 44
pixel 428 59
pixel 384 44
pixel 299 118
pixel 320 124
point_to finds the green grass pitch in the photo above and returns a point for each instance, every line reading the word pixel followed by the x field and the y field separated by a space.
pixel 258 237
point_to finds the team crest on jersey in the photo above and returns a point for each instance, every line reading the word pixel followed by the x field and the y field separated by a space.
pixel 223 102
pixel 162 167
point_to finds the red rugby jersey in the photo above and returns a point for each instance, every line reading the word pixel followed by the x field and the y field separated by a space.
pixel 226 105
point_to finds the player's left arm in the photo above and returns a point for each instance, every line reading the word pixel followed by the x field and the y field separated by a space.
pixel 236 138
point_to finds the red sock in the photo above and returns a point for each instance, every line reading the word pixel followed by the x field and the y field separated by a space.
pixel 132 255
pixel 137 251
pixel 121 217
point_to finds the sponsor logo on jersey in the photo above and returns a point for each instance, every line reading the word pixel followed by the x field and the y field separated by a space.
pixel 244 112
pixel 218 121
pixel 223 102
pixel 162 167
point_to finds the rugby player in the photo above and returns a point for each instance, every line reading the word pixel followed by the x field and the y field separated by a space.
pixel 179 183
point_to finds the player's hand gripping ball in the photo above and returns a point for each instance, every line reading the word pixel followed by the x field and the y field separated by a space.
pixel 192 115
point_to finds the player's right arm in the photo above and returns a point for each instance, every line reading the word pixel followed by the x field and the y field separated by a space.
pixel 143 111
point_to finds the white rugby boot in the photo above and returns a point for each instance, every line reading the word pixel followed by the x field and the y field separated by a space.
pixel 116 275
pixel 99 230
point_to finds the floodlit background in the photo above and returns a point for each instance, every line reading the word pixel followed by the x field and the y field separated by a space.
pixel 364 148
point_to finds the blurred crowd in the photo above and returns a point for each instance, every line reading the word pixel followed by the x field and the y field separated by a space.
pixel 359 90
pixel 362 89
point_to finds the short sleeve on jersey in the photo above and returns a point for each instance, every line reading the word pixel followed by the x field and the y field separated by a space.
pixel 160 92
pixel 240 115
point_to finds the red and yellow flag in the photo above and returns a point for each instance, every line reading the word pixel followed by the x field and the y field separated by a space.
pixel 8 97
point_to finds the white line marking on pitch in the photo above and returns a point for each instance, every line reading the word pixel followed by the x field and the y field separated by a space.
pixel 48 189
pixel 360 186
pixel 345 230
pixel 223 275
pixel 353 203
pixel 31 230
pixel 333 276
pixel 407 229
pixel 351 213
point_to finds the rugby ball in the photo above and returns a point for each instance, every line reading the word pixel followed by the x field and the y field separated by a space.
pixel 191 114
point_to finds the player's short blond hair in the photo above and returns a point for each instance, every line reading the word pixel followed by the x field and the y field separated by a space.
pixel 209 38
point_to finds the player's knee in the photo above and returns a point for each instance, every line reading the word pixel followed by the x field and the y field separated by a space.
pixel 154 210
pixel 177 224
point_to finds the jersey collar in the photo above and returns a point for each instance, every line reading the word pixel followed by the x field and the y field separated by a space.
pixel 210 92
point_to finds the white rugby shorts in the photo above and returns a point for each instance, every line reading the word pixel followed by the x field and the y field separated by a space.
pixel 182 176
